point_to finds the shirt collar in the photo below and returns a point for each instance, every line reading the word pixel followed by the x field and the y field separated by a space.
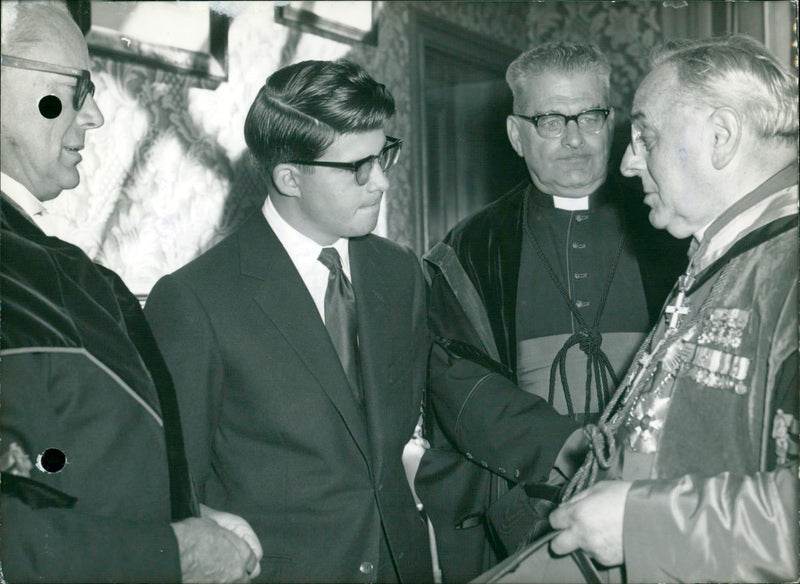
pixel 302 250
pixel 22 197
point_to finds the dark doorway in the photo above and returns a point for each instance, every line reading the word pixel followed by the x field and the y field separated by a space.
pixel 460 98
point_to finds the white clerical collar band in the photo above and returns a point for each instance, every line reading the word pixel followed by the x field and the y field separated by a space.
pixel 571 203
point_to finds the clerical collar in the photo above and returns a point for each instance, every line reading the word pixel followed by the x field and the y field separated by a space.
pixel 590 202
pixel 571 203
pixel 302 250
pixel 21 197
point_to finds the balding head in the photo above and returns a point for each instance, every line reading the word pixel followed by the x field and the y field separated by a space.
pixel 41 132
pixel 28 28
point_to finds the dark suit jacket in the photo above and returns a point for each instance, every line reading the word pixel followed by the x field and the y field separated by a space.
pixel 273 432
pixel 81 373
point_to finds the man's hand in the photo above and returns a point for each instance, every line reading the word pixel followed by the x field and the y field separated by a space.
pixel 210 553
pixel 241 528
pixel 592 521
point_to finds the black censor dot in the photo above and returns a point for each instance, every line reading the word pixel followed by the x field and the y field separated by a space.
pixel 51 460
pixel 50 107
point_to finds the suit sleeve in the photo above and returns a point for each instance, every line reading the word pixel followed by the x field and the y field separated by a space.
pixel 483 413
pixel 182 329
pixel 421 335
pixel 63 545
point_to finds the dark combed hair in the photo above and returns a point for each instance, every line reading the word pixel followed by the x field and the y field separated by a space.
pixel 302 108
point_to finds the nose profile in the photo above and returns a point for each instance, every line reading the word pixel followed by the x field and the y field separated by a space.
pixel 378 179
pixel 631 165
pixel 90 116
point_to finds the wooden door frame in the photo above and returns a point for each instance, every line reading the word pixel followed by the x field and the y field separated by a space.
pixel 428 32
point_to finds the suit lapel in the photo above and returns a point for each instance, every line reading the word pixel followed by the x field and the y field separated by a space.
pixel 285 300
pixel 373 297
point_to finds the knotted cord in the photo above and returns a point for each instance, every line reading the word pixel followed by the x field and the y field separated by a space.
pixel 587 338
pixel 601 436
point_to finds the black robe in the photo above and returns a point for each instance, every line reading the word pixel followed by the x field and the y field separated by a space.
pixel 485 433
pixel 82 375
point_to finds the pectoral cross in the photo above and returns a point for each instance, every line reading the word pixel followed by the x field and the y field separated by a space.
pixel 678 309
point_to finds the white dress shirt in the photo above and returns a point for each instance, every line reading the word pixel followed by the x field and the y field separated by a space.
pixel 304 253
pixel 22 198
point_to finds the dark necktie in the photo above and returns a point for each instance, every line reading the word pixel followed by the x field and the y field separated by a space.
pixel 341 318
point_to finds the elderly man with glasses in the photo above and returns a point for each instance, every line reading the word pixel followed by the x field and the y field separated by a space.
pixel 94 481
pixel 693 474
pixel 554 286
pixel 299 343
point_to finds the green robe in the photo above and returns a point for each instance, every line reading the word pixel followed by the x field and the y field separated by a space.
pixel 709 434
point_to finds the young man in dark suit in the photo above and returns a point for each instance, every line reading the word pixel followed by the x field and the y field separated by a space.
pixel 298 344
pixel 94 479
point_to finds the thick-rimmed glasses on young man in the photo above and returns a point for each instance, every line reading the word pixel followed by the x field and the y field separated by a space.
pixel 363 168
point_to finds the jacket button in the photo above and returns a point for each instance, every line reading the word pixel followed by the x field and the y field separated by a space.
pixel 502 470
pixel 469 456
pixel 366 568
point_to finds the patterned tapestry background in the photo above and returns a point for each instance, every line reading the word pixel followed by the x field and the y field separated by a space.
pixel 168 175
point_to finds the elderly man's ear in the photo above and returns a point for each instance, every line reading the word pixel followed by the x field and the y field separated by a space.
pixel 512 128
pixel 727 132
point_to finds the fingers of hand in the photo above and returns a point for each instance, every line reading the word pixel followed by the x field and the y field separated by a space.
pixel 560 518
pixel 210 553
pixel 237 525
pixel 564 543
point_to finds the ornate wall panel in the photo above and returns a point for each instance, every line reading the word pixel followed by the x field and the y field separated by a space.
pixel 168 175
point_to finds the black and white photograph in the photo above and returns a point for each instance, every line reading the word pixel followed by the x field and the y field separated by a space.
pixel 399 291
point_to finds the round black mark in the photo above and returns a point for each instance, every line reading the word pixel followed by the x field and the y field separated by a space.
pixel 51 460
pixel 50 107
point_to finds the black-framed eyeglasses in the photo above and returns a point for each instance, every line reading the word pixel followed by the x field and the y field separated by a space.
pixel 83 88
pixel 553 125
pixel 363 168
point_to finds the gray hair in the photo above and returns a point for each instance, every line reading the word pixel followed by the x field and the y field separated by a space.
pixel 557 57
pixel 21 24
pixel 739 72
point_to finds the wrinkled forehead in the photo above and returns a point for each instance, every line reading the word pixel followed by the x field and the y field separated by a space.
pixel 654 92
pixel 557 86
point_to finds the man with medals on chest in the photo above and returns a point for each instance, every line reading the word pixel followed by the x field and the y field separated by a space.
pixel 698 449
pixel 556 284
